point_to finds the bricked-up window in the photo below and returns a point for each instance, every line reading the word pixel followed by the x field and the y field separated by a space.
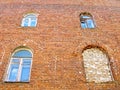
pixel 20 66
pixel 96 64
pixel 86 21
pixel 29 20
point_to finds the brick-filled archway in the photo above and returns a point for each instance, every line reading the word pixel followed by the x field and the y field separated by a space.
pixel 96 64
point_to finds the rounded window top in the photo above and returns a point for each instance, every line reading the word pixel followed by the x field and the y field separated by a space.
pixel 22 53
pixel 29 20
pixel 31 15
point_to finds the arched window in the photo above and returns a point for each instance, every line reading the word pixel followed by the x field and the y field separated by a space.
pixel 96 64
pixel 86 20
pixel 29 20
pixel 20 66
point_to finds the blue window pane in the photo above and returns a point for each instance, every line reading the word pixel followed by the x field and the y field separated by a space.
pixel 33 23
pixel 90 23
pixel 25 73
pixel 26 22
pixel 83 25
pixel 85 17
pixel 29 21
pixel 23 53
pixel 13 72
pixel 15 61
pixel 31 16
pixel 26 61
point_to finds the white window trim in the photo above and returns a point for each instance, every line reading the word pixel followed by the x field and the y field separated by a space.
pixel 8 69
pixel 29 22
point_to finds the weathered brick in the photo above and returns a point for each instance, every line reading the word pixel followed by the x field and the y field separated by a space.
pixel 58 42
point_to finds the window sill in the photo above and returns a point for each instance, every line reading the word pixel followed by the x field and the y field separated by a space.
pixel 17 82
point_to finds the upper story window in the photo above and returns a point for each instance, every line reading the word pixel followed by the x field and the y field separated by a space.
pixel 86 20
pixel 20 66
pixel 29 20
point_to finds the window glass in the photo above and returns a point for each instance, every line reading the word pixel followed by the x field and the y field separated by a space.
pixel 26 22
pixel 26 61
pixel 29 21
pixel 86 21
pixel 15 61
pixel 22 53
pixel 85 17
pixel 13 72
pixel 33 23
pixel 90 23
pixel 83 24
pixel 25 73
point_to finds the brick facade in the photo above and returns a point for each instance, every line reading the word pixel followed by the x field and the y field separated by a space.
pixel 58 42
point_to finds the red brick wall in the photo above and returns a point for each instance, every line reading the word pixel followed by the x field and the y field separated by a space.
pixel 58 41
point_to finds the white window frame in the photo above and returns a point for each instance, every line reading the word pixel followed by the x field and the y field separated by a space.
pixel 85 20
pixel 29 17
pixel 19 69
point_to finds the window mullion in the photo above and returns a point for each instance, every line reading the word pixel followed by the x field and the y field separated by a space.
pixel 19 70
pixel 87 23
pixel 29 23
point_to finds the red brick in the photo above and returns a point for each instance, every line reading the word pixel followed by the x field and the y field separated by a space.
pixel 58 41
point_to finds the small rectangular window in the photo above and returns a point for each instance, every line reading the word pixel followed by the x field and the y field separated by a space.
pixel 86 21
pixel 29 21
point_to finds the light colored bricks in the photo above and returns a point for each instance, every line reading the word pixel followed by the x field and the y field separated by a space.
pixel 96 65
